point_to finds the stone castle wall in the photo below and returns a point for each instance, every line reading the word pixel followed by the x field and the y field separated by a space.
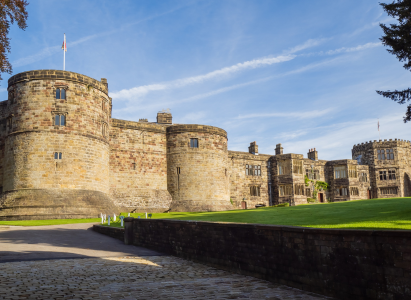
pixel 198 177
pixel 138 166
pixel 30 137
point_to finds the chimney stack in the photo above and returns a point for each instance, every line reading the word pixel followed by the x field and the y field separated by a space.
pixel 278 149
pixel 312 154
pixel 253 149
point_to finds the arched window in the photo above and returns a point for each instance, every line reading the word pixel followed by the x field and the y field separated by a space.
pixel 63 94
pixel 57 93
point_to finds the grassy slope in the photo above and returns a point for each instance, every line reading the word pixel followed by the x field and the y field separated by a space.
pixel 393 213
pixel 48 222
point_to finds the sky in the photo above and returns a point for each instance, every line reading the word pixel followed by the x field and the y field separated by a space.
pixel 300 73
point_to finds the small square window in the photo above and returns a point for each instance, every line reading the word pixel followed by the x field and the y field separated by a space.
pixel 194 143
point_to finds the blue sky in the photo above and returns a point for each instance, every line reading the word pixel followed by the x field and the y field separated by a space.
pixel 301 73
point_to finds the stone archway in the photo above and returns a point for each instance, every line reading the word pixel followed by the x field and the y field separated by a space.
pixel 407 185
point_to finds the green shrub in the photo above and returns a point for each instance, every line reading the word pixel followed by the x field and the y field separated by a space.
pixel 282 205
pixel 312 200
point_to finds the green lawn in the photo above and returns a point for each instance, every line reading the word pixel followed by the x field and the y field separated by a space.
pixel 48 222
pixel 392 213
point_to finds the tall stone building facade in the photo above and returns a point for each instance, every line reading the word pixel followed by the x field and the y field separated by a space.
pixel 62 155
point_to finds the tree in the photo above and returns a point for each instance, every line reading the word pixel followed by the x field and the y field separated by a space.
pixel 10 11
pixel 398 38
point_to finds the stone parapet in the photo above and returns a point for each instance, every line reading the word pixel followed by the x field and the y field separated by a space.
pixel 58 75
pixel 152 127
pixel 197 128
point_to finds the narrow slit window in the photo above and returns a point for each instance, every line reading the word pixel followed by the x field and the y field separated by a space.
pixel 57 93
pixel 63 94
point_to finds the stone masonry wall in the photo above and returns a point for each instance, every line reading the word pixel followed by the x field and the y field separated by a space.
pixel 138 166
pixel 198 178
pixel 346 264
pixel 30 137
pixel 240 182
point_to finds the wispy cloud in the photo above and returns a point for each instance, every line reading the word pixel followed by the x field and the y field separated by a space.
pixel 140 91
pixel 353 49
pixel 308 44
pixel 298 115
pixel 49 51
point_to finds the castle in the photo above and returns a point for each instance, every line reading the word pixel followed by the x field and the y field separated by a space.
pixel 63 156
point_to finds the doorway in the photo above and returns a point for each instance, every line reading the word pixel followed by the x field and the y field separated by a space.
pixel 321 196
pixel 244 205
pixel 369 194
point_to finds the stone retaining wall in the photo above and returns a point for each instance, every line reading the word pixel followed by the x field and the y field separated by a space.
pixel 117 233
pixel 346 264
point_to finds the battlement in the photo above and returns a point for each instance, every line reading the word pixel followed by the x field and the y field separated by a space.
pixel 381 144
pixel 144 126
pixel 197 128
pixel 59 75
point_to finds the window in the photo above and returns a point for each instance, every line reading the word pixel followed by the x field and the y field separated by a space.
pixel 285 190
pixel 388 191
pixel 390 153
pixel 254 191
pixel 340 172
pixel 9 123
pixel 194 143
pixel 363 177
pixel 248 170
pixel 383 175
pixel 297 166
pixel 383 154
pixel 299 189
pixel 316 174
pixel 104 131
pixel 354 191
pixel 133 165
pixel 257 170
pixel 391 174
pixel 60 120
pixel 252 170
pixel 342 191
pixel 283 167
pixel 60 94
pixel 308 192
pixel 58 155
pixel 352 171
pixel 178 170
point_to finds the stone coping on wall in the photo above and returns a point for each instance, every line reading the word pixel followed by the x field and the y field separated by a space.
pixel 57 75
pixel 142 126
pixel 114 232
pixel 381 144
pixel 196 128
pixel 343 263
pixel 246 155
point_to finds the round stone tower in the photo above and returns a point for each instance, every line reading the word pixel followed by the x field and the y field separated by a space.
pixel 197 168
pixel 55 146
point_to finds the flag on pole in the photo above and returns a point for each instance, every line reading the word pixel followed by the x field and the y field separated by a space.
pixel 64 46
pixel 378 125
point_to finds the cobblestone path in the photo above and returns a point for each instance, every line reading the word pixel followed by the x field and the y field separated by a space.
pixel 151 277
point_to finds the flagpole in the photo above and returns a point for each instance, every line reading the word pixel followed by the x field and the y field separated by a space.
pixel 379 134
pixel 64 51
